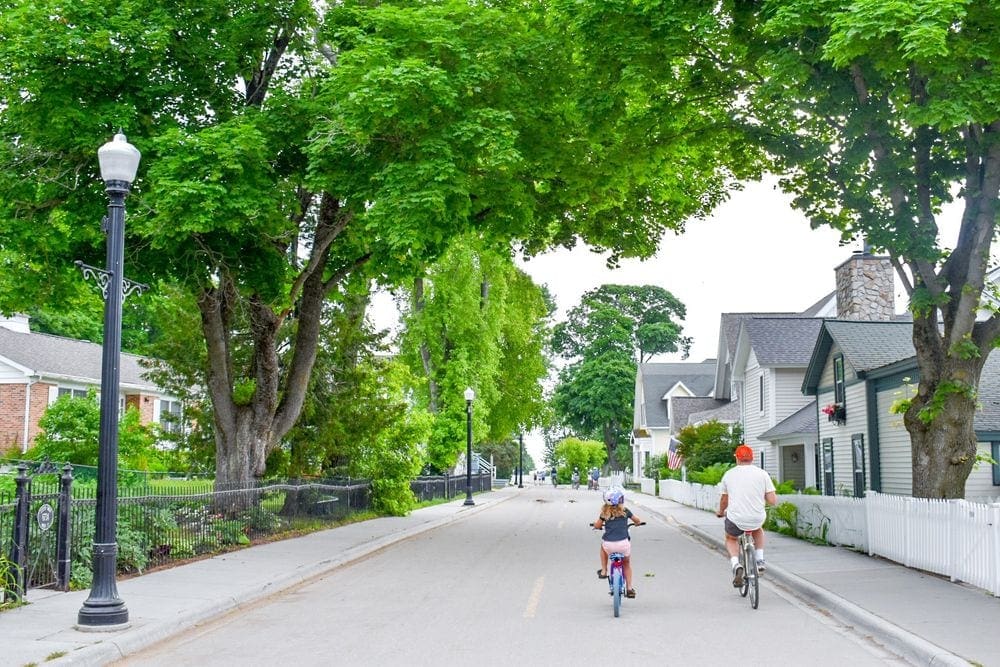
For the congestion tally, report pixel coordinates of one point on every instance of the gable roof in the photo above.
(729, 333)
(803, 420)
(783, 341)
(659, 378)
(866, 345)
(66, 359)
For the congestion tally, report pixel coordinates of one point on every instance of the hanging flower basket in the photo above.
(835, 412)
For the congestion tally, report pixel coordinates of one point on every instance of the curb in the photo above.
(885, 633)
(137, 638)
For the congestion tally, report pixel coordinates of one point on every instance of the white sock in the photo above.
(733, 560)
(759, 555)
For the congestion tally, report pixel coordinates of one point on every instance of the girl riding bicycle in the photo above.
(614, 521)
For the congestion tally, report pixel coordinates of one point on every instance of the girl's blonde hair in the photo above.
(610, 511)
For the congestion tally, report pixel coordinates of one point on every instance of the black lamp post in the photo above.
(104, 610)
(469, 397)
(520, 460)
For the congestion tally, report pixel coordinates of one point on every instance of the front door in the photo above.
(793, 465)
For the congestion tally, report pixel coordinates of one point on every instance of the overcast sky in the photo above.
(754, 254)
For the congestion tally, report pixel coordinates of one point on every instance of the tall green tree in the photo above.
(475, 320)
(287, 147)
(878, 115)
(604, 338)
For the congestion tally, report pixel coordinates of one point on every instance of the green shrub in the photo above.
(783, 518)
(810, 491)
(711, 475)
(785, 488)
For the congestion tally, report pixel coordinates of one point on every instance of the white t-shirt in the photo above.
(746, 485)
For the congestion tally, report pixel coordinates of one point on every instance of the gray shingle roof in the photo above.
(871, 345)
(987, 418)
(684, 406)
(866, 345)
(659, 378)
(803, 420)
(783, 341)
(725, 411)
(66, 358)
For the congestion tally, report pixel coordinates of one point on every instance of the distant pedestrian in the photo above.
(553, 476)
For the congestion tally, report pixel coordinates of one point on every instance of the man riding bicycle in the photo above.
(743, 493)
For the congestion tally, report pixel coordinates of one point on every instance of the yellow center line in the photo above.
(536, 595)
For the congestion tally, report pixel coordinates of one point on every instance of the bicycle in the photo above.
(748, 561)
(616, 576)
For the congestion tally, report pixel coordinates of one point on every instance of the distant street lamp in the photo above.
(469, 397)
(104, 610)
(520, 460)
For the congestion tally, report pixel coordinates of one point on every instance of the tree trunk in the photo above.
(425, 353)
(943, 447)
(611, 444)
(248, 427)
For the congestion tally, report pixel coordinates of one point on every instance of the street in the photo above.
(517, 584)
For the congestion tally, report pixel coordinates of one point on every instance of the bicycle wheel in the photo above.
(750, 579)
(617, 584)
(745, 588)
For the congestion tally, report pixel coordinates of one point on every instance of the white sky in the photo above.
(753, 254)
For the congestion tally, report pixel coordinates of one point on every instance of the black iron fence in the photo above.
(169, 521)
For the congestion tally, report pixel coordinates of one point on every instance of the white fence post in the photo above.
(868, 500)
(995, 550)
(906, 531)
(954, 534)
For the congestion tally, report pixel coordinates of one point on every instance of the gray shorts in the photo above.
(732, 529)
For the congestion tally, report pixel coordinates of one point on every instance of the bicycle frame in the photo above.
(616, 579)
(751, 580)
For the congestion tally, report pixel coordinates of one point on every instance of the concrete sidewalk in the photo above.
(922, 617)
(168, 601)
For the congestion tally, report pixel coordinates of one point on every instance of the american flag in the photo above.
(674, 459)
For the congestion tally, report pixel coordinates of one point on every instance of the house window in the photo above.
(858, 463)
(762, 458)
(75, 393)
(761, 383)
(171, 416)
(828, 466)
(838, 379)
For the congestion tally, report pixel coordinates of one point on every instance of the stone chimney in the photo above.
(865, 288)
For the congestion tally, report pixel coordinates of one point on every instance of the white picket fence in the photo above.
(954, 538)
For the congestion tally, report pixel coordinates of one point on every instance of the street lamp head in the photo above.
(469, 394)
(119, 160)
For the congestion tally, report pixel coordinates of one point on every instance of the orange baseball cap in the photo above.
(743, 453)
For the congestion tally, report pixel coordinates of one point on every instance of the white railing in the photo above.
(955, 538)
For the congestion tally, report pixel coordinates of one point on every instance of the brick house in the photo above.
(35, 369)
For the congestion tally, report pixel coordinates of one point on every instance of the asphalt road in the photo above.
(516, 584)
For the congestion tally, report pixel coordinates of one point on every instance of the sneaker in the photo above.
(761, 566)
(630, 593)
(737, 576)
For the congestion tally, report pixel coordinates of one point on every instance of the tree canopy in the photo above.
(287, 147)
(604, 338)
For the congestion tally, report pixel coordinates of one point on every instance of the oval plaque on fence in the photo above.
(44, 516)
